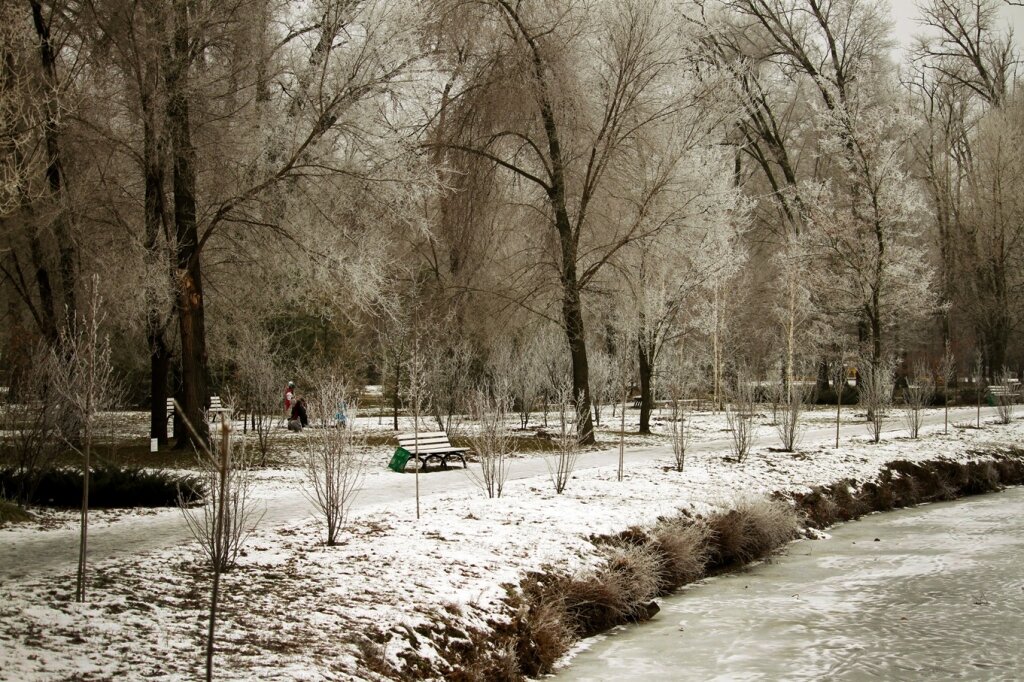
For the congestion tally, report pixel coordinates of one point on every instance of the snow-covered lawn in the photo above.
(295, 609)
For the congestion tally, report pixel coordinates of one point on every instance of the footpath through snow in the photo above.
(26, 552)
(295, 609)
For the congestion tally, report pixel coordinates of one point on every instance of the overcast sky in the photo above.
(905, 13)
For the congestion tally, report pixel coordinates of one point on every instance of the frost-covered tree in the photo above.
(866, 221)
(556, 98)
(85, 384)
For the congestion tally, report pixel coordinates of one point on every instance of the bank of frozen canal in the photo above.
(939, 595)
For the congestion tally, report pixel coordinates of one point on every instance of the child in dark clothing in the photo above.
(299, 413)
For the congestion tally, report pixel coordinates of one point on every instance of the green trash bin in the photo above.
(399, 459)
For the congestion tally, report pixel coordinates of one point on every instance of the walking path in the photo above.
(24, 555)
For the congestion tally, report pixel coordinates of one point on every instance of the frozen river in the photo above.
(931, 593)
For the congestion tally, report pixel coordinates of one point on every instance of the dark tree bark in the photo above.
(572, 309)
(61, 225)
(646, 399)
(155, 220)
(189, 284)
(47, 307)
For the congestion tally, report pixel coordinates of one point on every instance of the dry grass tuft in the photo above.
(751, 531)
(540, 632)
(544, 637)
(849, 503)
(682, 544)
(618, 592)
(818, 508)
(12, 513)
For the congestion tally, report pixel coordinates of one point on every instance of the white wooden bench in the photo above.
(216, 407)
(1003, 391)
(638, 401)
(431, 445)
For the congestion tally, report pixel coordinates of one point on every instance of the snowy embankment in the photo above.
(399, 597)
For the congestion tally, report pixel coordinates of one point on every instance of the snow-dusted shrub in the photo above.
(566, 440)
(876, 393)
(31, 426)
(680, 434)
(739, 414)
(683, 546)
(917, 395)
(259, 381)
(110, 486)
(789, 427)
(335, 458)
(228, 514)
(1004, 399)
(492, 442)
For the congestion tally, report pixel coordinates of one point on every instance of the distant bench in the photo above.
(1003, 391)
(430, 445)
(216, 407)
(692, 403)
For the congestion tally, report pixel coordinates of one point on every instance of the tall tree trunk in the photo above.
(646, 399)
(159, 364)
(47, 306)
(190, 303)
(159, 352)
(156, 220)
(572, 317)
(396, 398)
(62, 232)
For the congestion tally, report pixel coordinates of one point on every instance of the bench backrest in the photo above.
(215, 404)
(426, 441)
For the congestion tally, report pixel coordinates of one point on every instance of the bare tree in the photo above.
(838, 370)
(492, 441)
(562, 462)
(31, 421)
(602, 382)
(917, 395)
(259, 382)
(978, 369)
(680, 378)
(229, 514)
(335, 459)
(740, 414)
(448, 361)
(876, 390)
(966, 47)
(221, 524)
(84, 378)
(1005, 396)
(525, 379)
(576, 112)
(789, 427)
(947, 374)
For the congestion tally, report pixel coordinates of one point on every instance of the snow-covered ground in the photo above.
(295, 609)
